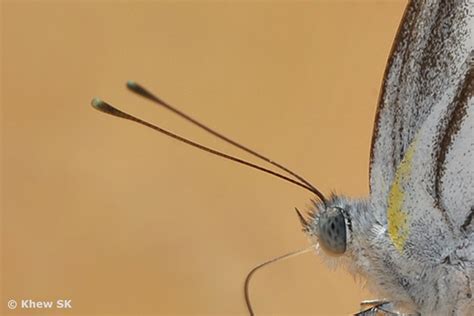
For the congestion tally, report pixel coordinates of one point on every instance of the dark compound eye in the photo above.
(332, 231)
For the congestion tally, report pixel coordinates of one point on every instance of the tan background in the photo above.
(125, 221)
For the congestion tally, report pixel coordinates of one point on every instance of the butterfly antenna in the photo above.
(109, 109)
(140, 90)
(266, 263)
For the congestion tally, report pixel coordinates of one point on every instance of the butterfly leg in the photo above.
(371, 303)
(379, 307)
(375, 307)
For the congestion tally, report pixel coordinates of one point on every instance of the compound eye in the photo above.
(332, 231)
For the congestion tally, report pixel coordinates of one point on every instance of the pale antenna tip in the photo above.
(131, 84)
(103, 106)
(97, 103)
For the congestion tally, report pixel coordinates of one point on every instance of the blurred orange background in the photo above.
(125, 221)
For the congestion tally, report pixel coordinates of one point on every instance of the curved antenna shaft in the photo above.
(109, 109)
(140, 90)
(266, 263)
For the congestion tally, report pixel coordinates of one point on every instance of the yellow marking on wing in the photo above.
(398, 228)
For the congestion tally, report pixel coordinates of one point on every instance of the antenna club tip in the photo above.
(97, 103)
(104, 107)
(131, 84)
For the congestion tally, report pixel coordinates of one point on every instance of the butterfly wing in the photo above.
(426, 72)
(431, 198)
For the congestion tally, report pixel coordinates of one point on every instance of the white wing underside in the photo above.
(427, 95)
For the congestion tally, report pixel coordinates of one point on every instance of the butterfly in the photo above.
(412, 239)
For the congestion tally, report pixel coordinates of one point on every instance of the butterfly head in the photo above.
(329, 225)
